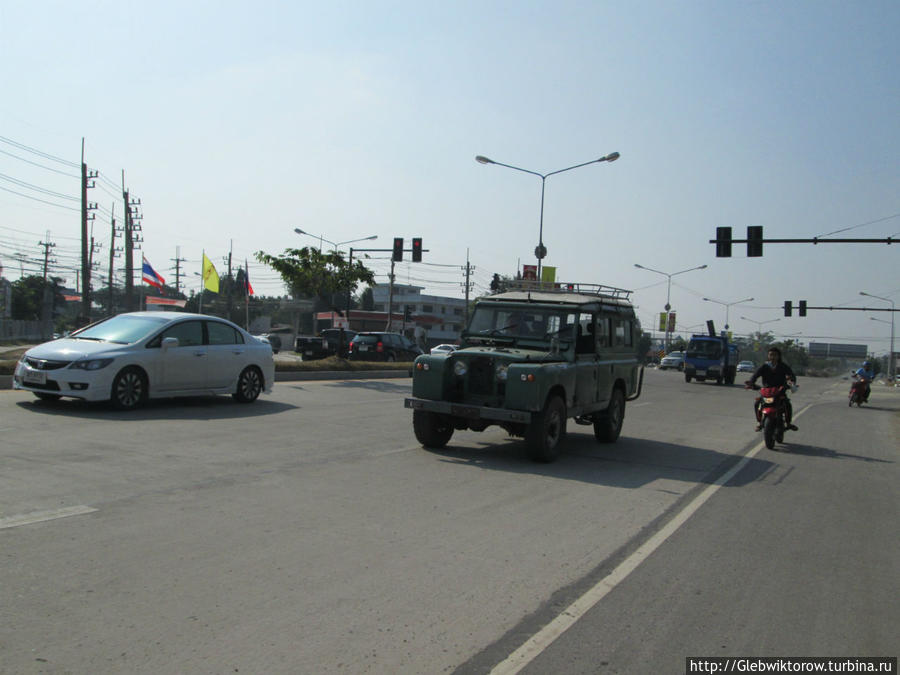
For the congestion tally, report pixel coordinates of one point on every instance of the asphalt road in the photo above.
(310, 533)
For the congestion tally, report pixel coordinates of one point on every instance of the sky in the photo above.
(235, 123)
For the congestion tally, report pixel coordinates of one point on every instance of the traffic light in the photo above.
(417, 249)
(802, 310)
(398, 249)
(788, 307)
(754, 241)
(407, 313)
(723, 242)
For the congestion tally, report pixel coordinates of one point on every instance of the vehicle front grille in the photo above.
(481, 376)
(45, 364)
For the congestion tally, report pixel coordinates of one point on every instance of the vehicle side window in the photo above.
(222, 334)
(189, 333)
(585, 330)
(602, 331)
(619, 334)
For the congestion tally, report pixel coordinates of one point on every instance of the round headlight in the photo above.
(501, 373)
(460, 368)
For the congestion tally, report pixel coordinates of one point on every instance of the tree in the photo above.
(28, 297)
(310, 273)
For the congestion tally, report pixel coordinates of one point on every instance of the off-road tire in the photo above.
(608, 425)
(546, 431)
(432, 430)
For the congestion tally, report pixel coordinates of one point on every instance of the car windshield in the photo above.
(705, 349)
(675, 355)
(518, 323)
(122, 329)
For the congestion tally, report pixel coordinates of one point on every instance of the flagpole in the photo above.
(202, 281)
(246, 296)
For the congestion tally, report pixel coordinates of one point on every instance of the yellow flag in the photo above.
(210, 276)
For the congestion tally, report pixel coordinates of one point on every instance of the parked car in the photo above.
(129, 358)
(324, 345)
(746, 367)
(382, 347)
(672, 360)
(444, 349)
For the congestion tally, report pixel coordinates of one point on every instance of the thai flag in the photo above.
(150, 275)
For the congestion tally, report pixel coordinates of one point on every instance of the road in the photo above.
(309, 532)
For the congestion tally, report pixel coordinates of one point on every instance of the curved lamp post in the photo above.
(728, 306)
(891, 364)
(541, 251)
(668, 292)
(759, 324)
(335, 244)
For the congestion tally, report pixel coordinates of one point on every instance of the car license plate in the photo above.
(32, 376)
(701, 372)
(363, 348)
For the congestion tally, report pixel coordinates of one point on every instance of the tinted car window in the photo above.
(189, 333)
(222, 334)
(366, 339)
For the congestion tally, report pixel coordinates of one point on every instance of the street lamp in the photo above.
(759, 324)
(335, 244)
(669, 291)
(728, 306)
(891, 364)
(541, 251)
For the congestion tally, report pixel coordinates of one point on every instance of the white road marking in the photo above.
(571, 614)
(41, 516)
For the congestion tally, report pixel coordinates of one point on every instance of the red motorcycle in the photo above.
(858, 391)
(772, 408)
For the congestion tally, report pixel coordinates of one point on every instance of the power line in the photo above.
(40, 153)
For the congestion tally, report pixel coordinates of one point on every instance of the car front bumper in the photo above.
(469, 412)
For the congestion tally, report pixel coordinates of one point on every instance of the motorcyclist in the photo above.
(774, 373)
(866, 374)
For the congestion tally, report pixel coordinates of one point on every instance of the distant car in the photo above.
(382, 347)
(444, 349)
(129, 358)
(325, 345)
(672, 360)
(746, 367)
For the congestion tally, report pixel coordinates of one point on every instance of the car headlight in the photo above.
(460, 368)
(91, 364)
(502, 373)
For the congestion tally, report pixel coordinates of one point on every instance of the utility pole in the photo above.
(86, 183)
(47, 246)
(112, 258)
(46, 296)
(131, 214)
(390, 298)
(469, 270)
(178, 260)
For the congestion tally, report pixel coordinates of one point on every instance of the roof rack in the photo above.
(599, 290)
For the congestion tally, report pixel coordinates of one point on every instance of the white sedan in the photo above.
(129, 358)
(443, 349)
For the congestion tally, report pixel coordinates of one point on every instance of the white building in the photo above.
(442, 319)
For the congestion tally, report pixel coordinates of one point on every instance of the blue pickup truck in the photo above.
(711, 357)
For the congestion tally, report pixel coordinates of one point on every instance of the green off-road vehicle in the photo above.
(529, 360)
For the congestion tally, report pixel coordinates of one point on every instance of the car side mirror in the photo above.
(169, 342)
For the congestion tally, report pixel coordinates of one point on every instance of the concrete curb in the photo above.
(296, 376)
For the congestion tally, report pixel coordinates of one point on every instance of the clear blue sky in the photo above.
(235, 123)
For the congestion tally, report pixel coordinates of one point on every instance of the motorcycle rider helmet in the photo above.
(866, 365)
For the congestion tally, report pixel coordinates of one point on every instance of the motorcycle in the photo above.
(858, 391)
(772, 409)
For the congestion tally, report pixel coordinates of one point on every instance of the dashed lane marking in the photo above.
(42, 516)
